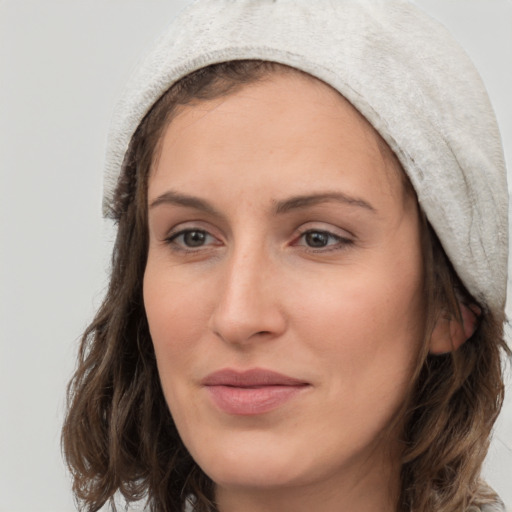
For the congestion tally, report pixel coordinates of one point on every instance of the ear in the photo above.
(449, 333)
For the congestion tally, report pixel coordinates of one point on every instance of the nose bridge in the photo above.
(247, 303)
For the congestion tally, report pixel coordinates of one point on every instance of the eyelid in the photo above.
(191, 225)
(326, 228)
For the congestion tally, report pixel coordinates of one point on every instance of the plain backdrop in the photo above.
(63, 63)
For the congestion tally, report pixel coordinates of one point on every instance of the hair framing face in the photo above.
(118, 433)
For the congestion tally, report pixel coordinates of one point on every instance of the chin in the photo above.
(255, 463)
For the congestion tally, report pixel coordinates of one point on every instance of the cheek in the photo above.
(367, 328)
(175, 326)
(176, 319)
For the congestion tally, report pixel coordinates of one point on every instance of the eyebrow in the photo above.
(172, 197)
(284, 206)
(304, 201)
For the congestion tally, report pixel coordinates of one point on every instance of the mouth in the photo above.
(251, 392)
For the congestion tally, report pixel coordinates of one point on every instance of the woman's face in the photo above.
(283, 285)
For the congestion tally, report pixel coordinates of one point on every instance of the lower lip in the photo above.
(254, 400)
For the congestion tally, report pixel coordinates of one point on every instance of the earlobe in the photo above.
(449, 333)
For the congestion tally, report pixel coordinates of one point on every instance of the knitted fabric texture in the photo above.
(401, 69)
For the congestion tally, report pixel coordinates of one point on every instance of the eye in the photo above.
(317, 238)
(191, 239)
(320, 239)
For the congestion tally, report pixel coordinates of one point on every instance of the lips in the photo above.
(251, 392)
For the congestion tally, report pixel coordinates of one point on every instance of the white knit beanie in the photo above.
(404, 73)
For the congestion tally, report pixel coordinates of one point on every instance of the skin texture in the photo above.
(243, 288)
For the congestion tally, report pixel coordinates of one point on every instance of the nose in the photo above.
(248, 306)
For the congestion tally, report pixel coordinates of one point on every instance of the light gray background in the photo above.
(63, 63)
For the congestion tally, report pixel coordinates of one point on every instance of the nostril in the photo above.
(246, 311)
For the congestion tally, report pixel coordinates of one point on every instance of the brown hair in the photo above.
(119, 435)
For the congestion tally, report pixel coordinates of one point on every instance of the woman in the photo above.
(306, 303)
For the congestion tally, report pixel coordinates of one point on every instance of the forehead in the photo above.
(285, 111)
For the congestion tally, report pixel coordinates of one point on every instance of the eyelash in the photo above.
(340, 242)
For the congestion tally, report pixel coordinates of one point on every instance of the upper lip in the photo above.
(256, 377)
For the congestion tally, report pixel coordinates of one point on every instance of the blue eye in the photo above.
(191, 238)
